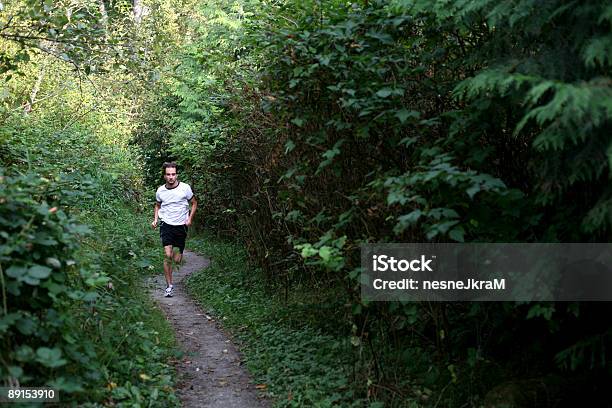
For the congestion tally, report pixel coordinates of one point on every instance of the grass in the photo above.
(134, 340)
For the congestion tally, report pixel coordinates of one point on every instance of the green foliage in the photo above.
(73, 253)
(127, 323)
(61, 325)
(296, 363)
(321, 126)
(40, 280)
(92, 36)
(190, 121)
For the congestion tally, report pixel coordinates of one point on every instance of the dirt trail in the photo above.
(210, 373)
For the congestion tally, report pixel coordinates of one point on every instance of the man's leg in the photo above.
(180, 245)
(178, 257)
(168, 264)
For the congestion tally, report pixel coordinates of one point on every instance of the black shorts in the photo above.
(173, 235)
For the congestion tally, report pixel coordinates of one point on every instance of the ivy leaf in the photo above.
(404, 221)
(403, 115)
(325, 253)
(24, 353)
(15, 371)
(50, 357)
(69, 385)
(30, 280)
(8, 320)
(457, 234)
(289, 146)
(407, 141)
(144, 263)
(307, 250)
(26, 325)
(384, 92)
(543, 310)
(339, 243)
(16, 271)
(473, 190)
(382, 37)
(440, 228)
(297, 121)
(39, 272)
(411, 217)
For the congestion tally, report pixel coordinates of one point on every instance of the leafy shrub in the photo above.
(42, 285)
(409, 121)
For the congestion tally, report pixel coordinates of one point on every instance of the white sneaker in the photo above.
(168, 292)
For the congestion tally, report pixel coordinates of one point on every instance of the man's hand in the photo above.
(154, 224)
(188, 223)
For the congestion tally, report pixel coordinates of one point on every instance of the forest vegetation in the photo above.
(306, 128)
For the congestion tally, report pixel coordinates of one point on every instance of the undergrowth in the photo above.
(74, 313)
(296, 364)
(134, 337)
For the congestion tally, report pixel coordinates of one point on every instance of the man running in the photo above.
(172, 209)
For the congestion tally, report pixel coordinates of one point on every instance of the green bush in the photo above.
(298, 364)
(43, 285)
(61, 324)
(407, 121)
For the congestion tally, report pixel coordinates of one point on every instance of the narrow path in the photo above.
(210, 373)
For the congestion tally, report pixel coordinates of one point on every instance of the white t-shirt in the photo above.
(174, 202)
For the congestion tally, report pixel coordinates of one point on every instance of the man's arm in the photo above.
(194, 206)
(155, 215)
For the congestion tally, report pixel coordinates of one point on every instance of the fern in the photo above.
(598, 52)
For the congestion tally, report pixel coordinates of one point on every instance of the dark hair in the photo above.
(169, 164)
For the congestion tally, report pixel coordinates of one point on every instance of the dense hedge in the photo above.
(72, 304)
(313, 127)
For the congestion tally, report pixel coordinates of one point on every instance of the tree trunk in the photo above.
(103, 17)
(138, 11)
(30, 103)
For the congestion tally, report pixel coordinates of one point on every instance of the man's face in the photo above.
(170, 175)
